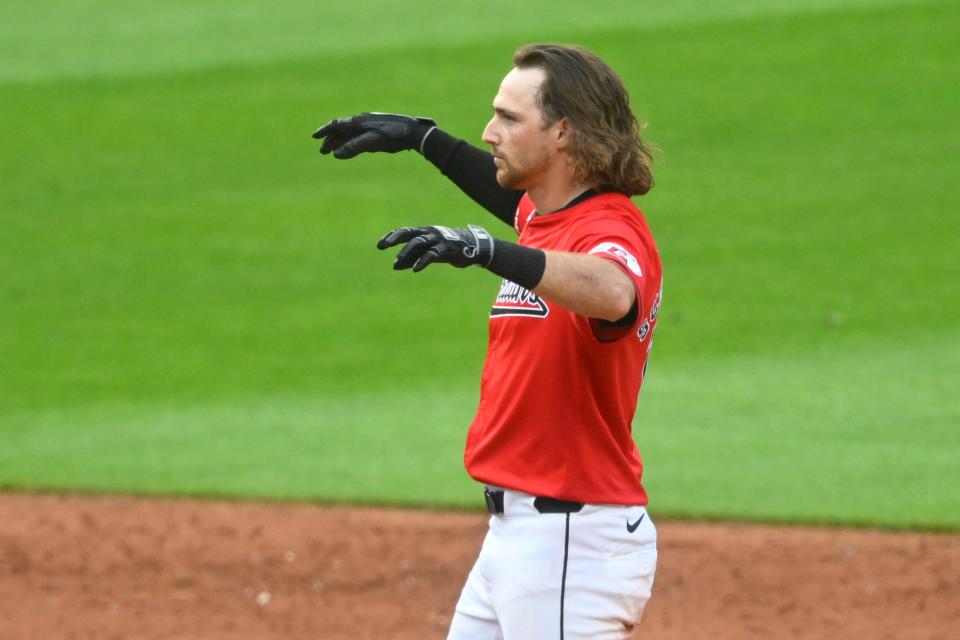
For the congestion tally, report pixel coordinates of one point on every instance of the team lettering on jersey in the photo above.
(646, 329)
(648, 323)
(514, 300)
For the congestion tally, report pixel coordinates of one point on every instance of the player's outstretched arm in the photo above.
(585, 284)
(470, 168)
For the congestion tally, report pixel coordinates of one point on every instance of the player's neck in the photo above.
(549, 197)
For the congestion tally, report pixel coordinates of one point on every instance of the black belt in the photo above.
(494, 500)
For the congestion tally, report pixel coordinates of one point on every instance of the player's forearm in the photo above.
(587, 285)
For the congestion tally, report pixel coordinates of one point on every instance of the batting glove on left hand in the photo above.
(425, 245)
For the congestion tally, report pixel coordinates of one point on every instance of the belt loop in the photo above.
(494, 500)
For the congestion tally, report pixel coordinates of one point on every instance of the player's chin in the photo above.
(506, 179)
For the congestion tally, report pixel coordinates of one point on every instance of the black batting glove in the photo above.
(390, 132)
(426, 245)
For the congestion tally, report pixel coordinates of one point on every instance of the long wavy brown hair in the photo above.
(606, 146)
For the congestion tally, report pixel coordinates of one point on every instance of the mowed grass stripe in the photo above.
(871, 450)
(863, 436)
(62, 38)
(401, 447)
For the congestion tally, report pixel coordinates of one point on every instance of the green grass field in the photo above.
(191, 301)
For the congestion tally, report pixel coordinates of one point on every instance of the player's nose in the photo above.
(489, 135)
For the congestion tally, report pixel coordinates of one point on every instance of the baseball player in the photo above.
(571, 551)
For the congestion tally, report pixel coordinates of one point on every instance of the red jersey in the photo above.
(559, 391)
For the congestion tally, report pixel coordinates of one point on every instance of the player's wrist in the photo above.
(516, 263)
(418, 128)
(420, 132)
(439, 147)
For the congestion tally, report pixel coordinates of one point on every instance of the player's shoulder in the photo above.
(611, 202)
(612, 208)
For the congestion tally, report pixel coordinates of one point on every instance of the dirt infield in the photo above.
(76, 567)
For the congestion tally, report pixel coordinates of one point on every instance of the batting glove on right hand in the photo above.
(425, 245)
(389, 132)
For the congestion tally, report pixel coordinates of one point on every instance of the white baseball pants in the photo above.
(556, 576)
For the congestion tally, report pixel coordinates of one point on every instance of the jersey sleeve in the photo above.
(622, 244)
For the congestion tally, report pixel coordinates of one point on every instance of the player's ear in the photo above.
(562, 133)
